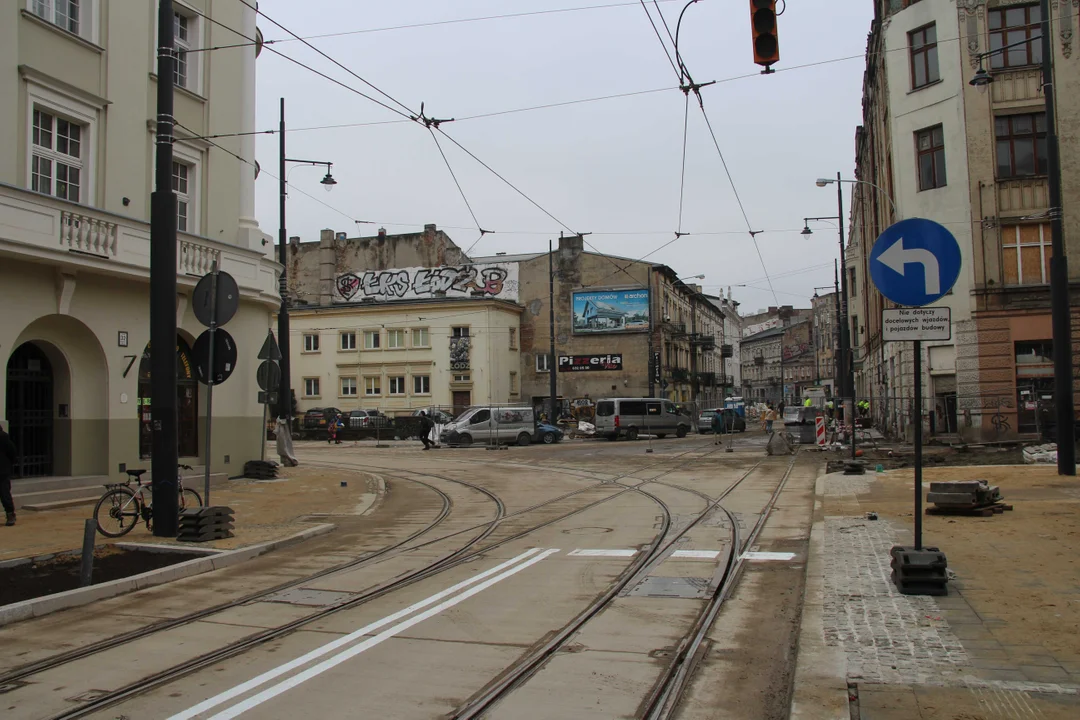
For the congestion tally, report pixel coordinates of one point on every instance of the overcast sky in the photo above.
(610, 167)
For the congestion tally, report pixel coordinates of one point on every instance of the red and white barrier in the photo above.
(819, 426)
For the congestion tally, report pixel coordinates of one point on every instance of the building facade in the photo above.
(826, 339)
(76, 170)
(974, 162)
(730, 360)
(398, 356)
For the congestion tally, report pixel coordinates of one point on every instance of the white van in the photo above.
(630, 417)
(486, 424)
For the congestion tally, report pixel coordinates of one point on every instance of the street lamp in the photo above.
(1059, 264)
(328, 182)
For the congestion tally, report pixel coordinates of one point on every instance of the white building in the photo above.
(76, 172)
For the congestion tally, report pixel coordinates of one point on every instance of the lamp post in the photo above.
(1059, 266)
(328, 182)
(845, 369)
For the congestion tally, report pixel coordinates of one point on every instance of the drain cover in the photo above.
(673, 587)
(308, 597)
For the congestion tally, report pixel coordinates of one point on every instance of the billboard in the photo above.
(604, 311)
(487, 280)
(585, 363)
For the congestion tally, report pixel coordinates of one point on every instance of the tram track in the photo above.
(466, 552)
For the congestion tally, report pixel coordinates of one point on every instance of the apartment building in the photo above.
(975, 161)
(76, 172)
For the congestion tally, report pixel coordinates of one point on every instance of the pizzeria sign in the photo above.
(583, 363)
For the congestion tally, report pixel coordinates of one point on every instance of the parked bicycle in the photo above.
(121, 507)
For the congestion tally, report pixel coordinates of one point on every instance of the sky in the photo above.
(611, 167)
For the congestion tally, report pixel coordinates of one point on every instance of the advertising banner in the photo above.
(603, 311)
(586, 363)
(489, 280)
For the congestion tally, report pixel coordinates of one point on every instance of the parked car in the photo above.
(440, 417)
(548, 434)
(491, 424)
(368, 419)
(630, 417)
(732, 421)
(316, 418)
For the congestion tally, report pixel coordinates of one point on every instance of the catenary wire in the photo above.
(660, 37)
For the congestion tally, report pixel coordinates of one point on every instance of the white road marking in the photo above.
(696, 554)
(285, 685)
(603, 553)
(783, 556)
(345, 640)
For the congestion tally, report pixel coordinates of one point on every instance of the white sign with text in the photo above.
(926, 323)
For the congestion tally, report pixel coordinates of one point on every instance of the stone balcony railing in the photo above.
(44, 228)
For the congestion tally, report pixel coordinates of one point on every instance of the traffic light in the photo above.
(763, 24)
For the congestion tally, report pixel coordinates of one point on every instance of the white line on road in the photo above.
(603, 553)
(285, 685)
(696, 554)
(345, 640)
(783, 556)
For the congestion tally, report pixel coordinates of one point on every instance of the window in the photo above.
(371, 339)
(348, 340)
(459, 332)
(1025, 254)
(481, 416)
(421, 384)
(543, 363)
(513, 338)
(56, 156)
(311, 342)
(311, 387)
(420, 338)
(924, 57)
(372, 386)
(513, 383)
(181, 183)
(463, 378)
(348, 387)
(62, 13)
(930, 148)
(1014, 25)
(397, 385)
(395, 339)
(851, 281)
(183, 34)
(1021, 145)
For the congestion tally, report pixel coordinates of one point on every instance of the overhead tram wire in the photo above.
(660, 37)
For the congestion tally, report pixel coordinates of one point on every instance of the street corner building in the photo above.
(76, 172)
(974, 159)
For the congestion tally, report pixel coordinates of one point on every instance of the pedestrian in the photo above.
(8, 455)
(426, 426)
(718, 425)
(332, 430)
(770, 418)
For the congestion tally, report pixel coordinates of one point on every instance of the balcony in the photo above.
(706, 379)
(40, 228)
(1022, 196)
(680, 375)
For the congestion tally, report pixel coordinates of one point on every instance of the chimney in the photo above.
(382, 234)
(294, 240)
(327, 267)
(570, 247)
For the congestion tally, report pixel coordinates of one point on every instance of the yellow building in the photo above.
(76, 171)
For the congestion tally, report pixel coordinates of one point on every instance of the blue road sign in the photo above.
(915, 262)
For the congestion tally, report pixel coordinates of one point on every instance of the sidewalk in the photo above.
(1005, 643)
(265, 510)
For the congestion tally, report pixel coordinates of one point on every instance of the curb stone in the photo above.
(38, 607)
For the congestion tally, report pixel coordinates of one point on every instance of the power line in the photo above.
(661, 39)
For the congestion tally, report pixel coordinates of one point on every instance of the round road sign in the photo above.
(268, 375)
(915, 262)
(224, 356)
(228, 298)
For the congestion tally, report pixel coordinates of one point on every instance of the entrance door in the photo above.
(462, 399)
(30, 410)
(187, 403)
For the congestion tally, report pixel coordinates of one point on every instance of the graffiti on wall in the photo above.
(494, 280)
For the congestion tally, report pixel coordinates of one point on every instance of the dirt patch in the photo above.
(61, 572)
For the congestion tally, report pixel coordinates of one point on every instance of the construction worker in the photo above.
(808, 403)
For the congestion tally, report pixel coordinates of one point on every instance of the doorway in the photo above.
(461, 399)
(30, 410)
(187, 403)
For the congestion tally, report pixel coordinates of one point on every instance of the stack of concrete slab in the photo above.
(206, 523)
(965, 497)
(260, 469)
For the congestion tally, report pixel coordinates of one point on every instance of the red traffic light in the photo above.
(763, 25)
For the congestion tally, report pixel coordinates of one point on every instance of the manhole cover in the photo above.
(308, 597)
(673, 587)
(587, 531)
(89, 696)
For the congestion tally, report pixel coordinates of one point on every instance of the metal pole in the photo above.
(1059, 269)
(284, 389)
(845, 339)
(654, 360)
(918, 444)
(210, 379)
(164, 453)
(86, 569)
(552, 381)
(838, 368)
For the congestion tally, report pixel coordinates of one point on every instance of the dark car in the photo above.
(317, 418)
(368, 419)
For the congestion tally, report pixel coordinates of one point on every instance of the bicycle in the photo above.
(125, 506)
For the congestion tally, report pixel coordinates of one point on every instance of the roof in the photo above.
(764, 335)
(519, 257)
